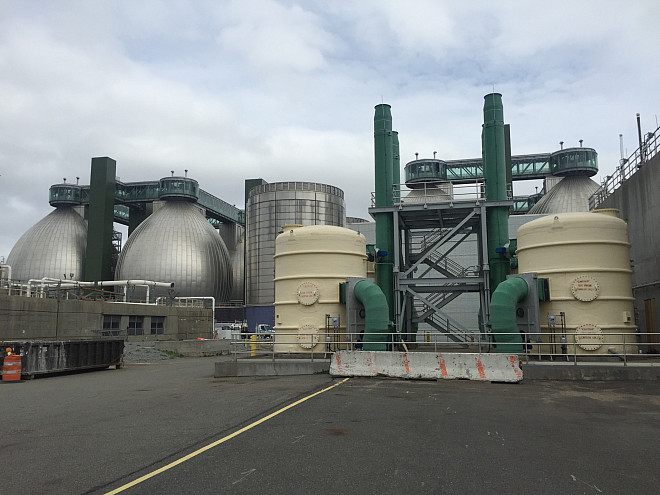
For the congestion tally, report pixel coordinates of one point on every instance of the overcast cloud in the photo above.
(285, 90)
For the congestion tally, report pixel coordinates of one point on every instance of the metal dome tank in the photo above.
(572, 193)
(177, 244)
(53, 247)
(310, 262)
(586, 258)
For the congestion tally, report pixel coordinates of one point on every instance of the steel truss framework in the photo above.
(426, 279)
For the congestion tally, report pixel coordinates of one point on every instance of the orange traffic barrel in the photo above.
(11, 368)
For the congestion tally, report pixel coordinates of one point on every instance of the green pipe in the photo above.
(383, 150)
(503, 314)
(376, 322)
(494, 160)
(396, 185)
(383, 197)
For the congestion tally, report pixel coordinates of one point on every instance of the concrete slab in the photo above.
(591, 372)
(366, 436)
(255, 367)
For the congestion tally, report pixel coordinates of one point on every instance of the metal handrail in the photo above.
(457, 192)
(627, 168)
(620, 348)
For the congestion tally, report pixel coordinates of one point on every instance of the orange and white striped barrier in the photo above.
(428, 366)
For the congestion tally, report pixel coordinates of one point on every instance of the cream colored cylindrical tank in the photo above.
(586, 258)
(310, 263)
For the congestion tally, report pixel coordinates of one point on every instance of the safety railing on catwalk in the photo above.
(580, 346)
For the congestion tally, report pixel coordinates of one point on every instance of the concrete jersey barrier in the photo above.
(429, 366)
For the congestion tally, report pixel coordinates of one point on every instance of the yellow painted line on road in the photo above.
(222, 440)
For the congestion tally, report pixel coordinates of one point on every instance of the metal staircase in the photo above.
(430, 310)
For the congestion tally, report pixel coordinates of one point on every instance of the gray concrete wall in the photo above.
(196, 348)
(638, 202)
(36, 318)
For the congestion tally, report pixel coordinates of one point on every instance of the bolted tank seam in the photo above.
(324, 251)
(600, 298)
(583, 242)
(570, 270)
(319, 301)
(628, 329)
(328, 276)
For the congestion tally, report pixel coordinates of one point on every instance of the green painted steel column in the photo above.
(494, 160)
(98, 255)
(396, 182)
(396, 167)
(384, 162)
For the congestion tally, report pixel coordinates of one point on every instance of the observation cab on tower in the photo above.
(574, 161)
(424, 171)
(66, 194)
(179, 188)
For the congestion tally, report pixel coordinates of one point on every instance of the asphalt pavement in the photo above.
(96, 432)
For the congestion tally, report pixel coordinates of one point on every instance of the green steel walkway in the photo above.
(523, 167)
(133, 194)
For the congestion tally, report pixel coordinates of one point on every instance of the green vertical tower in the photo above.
(396, 166)
(101, 215)
(384, 163)
(494, 160)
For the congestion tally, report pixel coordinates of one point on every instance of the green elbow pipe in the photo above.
(503, 314)
(376, 323)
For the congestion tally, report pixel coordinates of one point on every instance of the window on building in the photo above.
(111, 325)
(157, 325)
(135, 325)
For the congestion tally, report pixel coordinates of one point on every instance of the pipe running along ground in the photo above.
(376, 322)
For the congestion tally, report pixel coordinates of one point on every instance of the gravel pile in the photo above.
(144, 352)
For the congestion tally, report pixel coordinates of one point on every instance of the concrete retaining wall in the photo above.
(194, 348)
(638, 202)
(41, 318)
(269, 368)
(593, 372)
(426, 365)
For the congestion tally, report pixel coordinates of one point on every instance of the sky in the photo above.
(285, 90)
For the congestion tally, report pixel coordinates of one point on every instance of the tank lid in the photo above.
(291, 226)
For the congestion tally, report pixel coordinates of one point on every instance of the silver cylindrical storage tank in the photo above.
(269, 208)
(54, 247)
(177, 244)
(310, 263)
(586, 257)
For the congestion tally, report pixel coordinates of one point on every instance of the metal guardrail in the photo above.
(627, 168)
(438, 192)
(620, 348)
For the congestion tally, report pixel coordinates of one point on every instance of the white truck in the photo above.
(264, 331)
